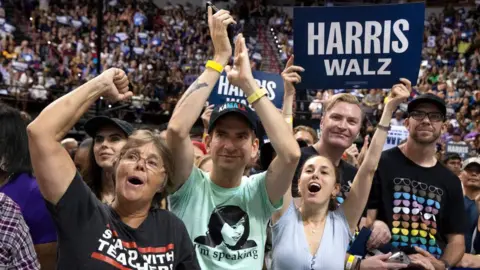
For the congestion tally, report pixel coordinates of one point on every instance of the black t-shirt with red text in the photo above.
(92, 236)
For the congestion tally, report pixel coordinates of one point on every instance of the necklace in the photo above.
(315, 228)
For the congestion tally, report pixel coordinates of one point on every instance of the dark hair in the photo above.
(86, 143)
(92, 173)
(230, 214)
(14, 152)
(332, 204)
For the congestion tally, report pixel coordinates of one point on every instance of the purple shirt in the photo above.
(25, 192)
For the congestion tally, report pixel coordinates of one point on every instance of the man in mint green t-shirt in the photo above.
(225, 213)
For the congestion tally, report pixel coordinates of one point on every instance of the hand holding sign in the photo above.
(240, 74)
(290, 76)
(218, 24)
(399, 94)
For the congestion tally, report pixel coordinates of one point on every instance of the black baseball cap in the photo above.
(428, 98)
(94, 124)
(233, 107)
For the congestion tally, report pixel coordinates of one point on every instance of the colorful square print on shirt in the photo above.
(416, 206)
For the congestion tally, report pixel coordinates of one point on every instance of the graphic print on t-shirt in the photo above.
(227, 235)
(415, 209)
(127, 255)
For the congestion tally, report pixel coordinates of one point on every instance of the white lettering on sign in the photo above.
(321, 44)
(231, 91)
(337, 67)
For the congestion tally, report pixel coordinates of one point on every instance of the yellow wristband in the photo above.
(289, 120)
(214, 65)
(349, 264)
(258, 94)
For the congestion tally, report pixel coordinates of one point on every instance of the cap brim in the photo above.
(94, 124)
(212, 124)
(470, 164)
(414, 103)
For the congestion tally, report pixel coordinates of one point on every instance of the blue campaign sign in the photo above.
(223, 91)
(358, 47)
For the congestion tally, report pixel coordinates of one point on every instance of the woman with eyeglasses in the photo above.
(315, 233)
(129, 233)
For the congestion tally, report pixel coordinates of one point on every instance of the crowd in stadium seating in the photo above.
(162, 49)
(450, 69)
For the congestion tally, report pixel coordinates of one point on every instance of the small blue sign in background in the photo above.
(223, 91)
(359, 47)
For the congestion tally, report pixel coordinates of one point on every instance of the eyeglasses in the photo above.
(420, 200)
(405, 217)
(151, 163)
(399, 202)
(432, 116)
(401, 181)
(434, 250)
(400, 188)
(404, 224)
(400, 237)
(405, 210)
(398, 230)
(402, 244)
(397, 195)
(421, 232)
(422, 240)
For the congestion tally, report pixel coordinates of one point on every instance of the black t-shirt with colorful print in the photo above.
(420, 205)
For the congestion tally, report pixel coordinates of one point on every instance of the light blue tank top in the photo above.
(290, 246)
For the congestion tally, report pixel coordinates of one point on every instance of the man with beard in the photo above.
(416, 196)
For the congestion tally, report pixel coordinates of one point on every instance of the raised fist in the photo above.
(117, 85)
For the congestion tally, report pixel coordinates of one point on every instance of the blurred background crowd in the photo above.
(49, 47)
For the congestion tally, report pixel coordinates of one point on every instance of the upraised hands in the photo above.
(240, 74)
(217, 23)
(399, 93)
(116, 82)
(206, 115)
(290, 76)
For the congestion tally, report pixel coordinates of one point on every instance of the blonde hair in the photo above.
(310, 130)
(342, 97)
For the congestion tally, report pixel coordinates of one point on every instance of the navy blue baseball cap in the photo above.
(233, 107)
(94, 124)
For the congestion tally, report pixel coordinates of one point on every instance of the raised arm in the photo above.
(281, 170)
(190, 106)
(54, 169)
(357, 198)
(290, 76)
